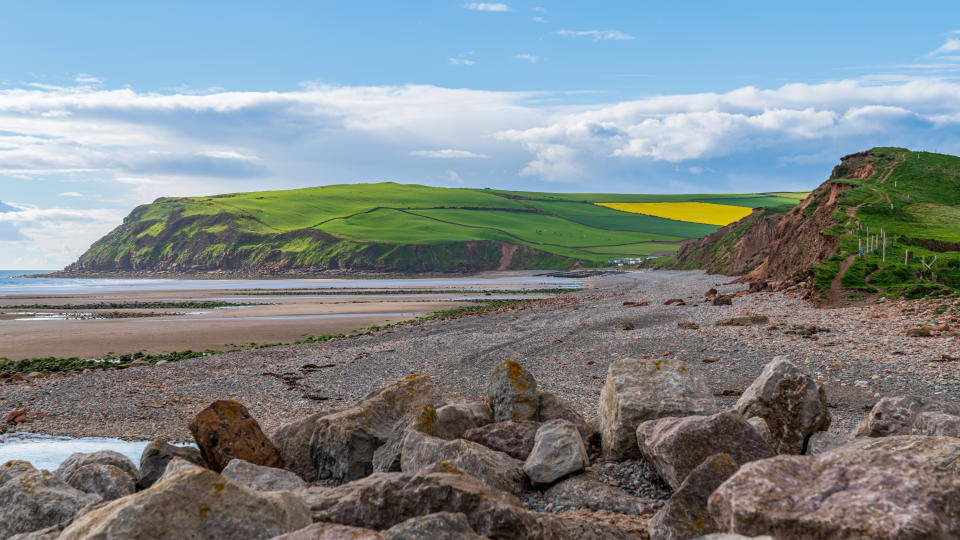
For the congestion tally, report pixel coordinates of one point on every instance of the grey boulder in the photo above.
(37, 500)
(156, 456)
(891, 487)
(793, 405)
(685, 515)
(676, 446)
(909, 415)
(106, 481)
(638, 390)
(293, 441)
(558, 451)
(105, 457)
(262, 478)
(14, 468)
(512, 438)
(330, 531)
(439, 526)
(553, 407)
(512, 393)
(497, 469)
(454, 419)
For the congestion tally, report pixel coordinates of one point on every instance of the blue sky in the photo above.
(106, 105)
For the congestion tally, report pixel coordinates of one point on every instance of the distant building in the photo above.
(623, 261)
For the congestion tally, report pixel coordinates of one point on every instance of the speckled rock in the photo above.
(637, 390)
(330, 531)
(685, 515)
(554, 408)
(823, 441)
(494, 468)
(677, 446)
(386, 458)
(899, 415)
(893, 487)
(455, 419)
(196, 503)
(106, 481)
(439, 526)
(14, 468)
(156, 456)
(178, 465)
(793, 405)
(343, 444)
(262, 478)
(512, 438)
(104, 457)
(293, 441)
(937, 424)
(589, 491)
(512, 393)
(558, 451)
(225, 430)
(37, 500)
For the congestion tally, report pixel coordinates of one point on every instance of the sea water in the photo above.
(48, 452)
(12, 284)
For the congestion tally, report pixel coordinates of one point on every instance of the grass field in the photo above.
(379, 224)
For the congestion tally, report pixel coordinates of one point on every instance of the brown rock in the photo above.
(676, 446)
(293, 441)
(225, 430)
(512, 438)
(13, 415)
(747, 320)
(687, 325)
(902, 487)
(330, 531)
(685, 515)
(156, 456)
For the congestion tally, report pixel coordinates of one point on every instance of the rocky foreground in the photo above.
(411, 461)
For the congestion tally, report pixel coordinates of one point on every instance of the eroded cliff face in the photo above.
(735, 249)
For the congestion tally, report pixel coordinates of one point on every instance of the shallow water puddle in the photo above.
(47, 451)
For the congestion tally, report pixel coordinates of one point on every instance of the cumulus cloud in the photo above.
(447, 153)
(486, 6)
(597, 35)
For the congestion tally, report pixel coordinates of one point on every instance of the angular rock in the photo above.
(937, 424)
(156, 456)
(512, 438)
(386, 458)
(262, 478)
(37, 500)
(685, 515)
(638, 390)
(330, 531)
(293, 441)
(676, 446)
(558, 451)
(793, 405)
(14, 468)
(823, 441)
(890, 487)
(898, 415)
(196, 503)
(178, 465)
(554, 408)
(106, 481)
(225, 430)
(454, 419)
(512, 393)
(104, 457)
(589, 491)
(382, 500)
(439, 526)
(494, 468)
(343, 444)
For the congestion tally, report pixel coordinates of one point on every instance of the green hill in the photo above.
(909, 199)
(392, 227)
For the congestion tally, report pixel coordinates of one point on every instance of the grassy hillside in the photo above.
(393, 227)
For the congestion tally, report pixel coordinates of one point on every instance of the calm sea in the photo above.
(12, 285)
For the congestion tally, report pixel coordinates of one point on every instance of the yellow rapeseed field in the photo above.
(695, 212)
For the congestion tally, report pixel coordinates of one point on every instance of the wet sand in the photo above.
(271, 319)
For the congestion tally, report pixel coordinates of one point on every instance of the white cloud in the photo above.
(949, 46)
(454, 177)
(533, 59)
(597, 35)
(447, 153)
(70, 194)
(485, 6)
(461, 62)
(538, 19)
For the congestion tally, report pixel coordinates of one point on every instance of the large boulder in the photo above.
(330, 531)
(638, 390)
(899, 416)
(195, 503)
(512, 438)
(293, 441)
(156, 456)
(439, 526)
(685, 515)
(103, 457)
(558, 451)
(343, 444)
(14, 468)
(512, 393)
(793, 405)
(106, 481)
(554, 408)
(386, 458)
(891, 487)
(454, 419)
(823, 441)
(676, 446)
(225, 430)
(262, 478)
(37, 500)
(497, 469)
(589, 491)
